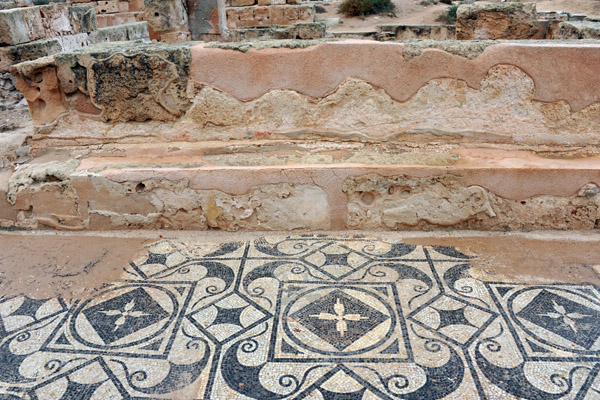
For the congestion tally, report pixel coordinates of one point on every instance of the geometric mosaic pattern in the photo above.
(304, 317)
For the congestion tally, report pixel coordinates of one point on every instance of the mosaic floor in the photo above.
(307, 317)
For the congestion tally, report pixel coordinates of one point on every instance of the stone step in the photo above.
(272, 185)
(452, 91)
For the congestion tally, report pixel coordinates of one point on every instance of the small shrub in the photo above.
(356, 8)
(448, 16)
(320, 9)
(449, 2)
(426, 3)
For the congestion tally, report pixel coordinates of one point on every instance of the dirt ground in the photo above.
(413, 13)
(75, 265)
(14, 118)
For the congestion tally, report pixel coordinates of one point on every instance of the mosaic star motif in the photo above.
(569, 319)
(304, 317)
(119, 316)
(339, 319)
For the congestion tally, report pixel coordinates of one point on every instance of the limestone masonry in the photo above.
(372, 135)
(276, 125)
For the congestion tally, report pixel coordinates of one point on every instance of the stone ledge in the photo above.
(286, 186)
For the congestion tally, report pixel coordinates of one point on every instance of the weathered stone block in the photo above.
(247, 14)
(137, 31)
(116, 33)
(262, 14)
(240, 3)
(20, 25)
(72, 42)
(404, 32)
(55, 19)
(203, 18)
(107, 7)
(83, 19)
(291, 13)
(123, 32)
(238, 17)
(510, 20)
(306, 13)
(175, 37)
(405, 202)
(38, 82)
(11, 55)
(136, 5)
(105, 20)
(233, 15)
(135, 82)
(165, 15)
(577, 30)
(313, 30)
(276, 13)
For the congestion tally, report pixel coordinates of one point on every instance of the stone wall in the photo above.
(167, 20)
(30, 33)
(109, 12)
(311, 30)
(276, 14)
(23, 25)
(513, 92)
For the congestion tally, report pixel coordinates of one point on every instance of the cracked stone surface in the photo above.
(274, 185)
(317, 316)
(142, 93)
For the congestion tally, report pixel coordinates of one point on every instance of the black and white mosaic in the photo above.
(307, 317)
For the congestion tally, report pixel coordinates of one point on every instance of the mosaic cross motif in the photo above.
(339, 318)
(305, 317)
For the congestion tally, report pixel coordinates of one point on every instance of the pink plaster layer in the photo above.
(514, 175)
(560, 71)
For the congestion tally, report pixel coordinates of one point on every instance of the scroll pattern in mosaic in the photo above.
(307, 317)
